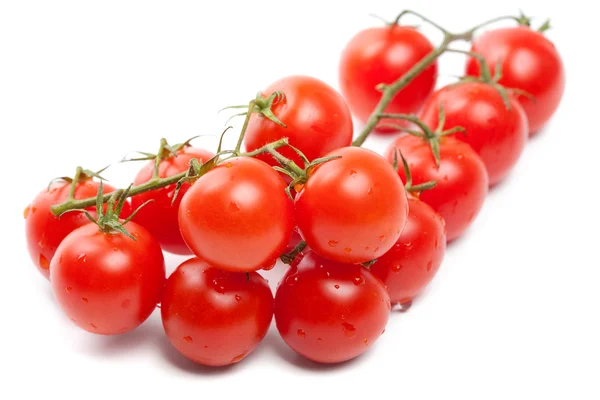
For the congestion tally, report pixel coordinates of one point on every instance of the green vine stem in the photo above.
(391, 90)
(153, 184)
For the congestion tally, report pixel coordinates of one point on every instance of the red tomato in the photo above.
(530, 62)
(237, 216)
(330, 312)
(414, 260)
(159, 216)
(461, 179)
(215, 317)
(352, 209)
(317, 119)
(382, 55)
(496, 133)
(108, 283)
(45, 231)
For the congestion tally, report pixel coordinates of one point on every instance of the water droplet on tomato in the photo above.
(26, 212)
(44, 263)
(125, 303)
(381, 238)
(319, 339)
(370, 191)
(366, 341)
(188, 339)
(301, 333)
(270, 266)
(333, 243)
(82, 257)
(238, 358)
(397, 267)
(228, 165)
(115, 249)
(42, 242)
(358, 280)
(238, 297)
(292, 279)
(460, 156)
(445, 177)
(437, 243)
(429, 266)
(68, 289)
(352, 172)
(93, 326)
(218, 287)
(383, 331)
(349, 329)
(188, 213)
(85, 299)
(376, 249)
(347, 250)
(367, 248)
(136, 235)
(336, 286)
(234, 206)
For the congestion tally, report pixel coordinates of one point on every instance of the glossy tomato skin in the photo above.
(461, 180)
(352, 209)
(408, 267)
(330, 312)
(45, 231)
(530, 62)
(160, 217)
(382, 55)
(317, 119)
(237, 216)
(108, 283)
(497, 133)
(215, 317)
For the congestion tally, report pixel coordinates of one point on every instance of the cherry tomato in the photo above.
(45, 231)
(330, 312)
(461, 179)
(108, 283)
(160, 216)
(352, 209)
(382, 55)
(317, 119)
(530, 62)
(215, 317)
(497, 133)
(414, 260)
(237, 216)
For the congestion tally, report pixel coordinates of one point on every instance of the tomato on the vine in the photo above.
(529, 62)
(496, 131)
(461, 178)
(408, 267)
(352, 209)
(45, 231)
(215, 317)
(330, 312)
(106, 282)
(160, 215)
(237, 216)
(381, 56)
(316, 117)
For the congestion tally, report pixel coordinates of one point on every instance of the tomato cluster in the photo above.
(361, 232)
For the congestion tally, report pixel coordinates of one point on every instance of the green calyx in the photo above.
(261, 105)
(409, 185)
(81, 175)
(108, 221)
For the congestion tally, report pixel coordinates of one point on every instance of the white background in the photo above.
(513, 313)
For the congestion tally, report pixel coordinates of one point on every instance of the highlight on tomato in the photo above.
(352, 209)
(237, 216)
(215, 317)
(330, 312)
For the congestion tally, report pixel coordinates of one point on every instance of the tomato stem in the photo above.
(238, 145)
(391, 90)
(74, 183)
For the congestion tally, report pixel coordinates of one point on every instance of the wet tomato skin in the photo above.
(330, 312)
(408, 267)
(160, 216)
(215, 317)
(530, 62)
(237, 217)
(108, 283)
(352, 209)
(45, 231)
(497, 133)
(461, 179)
(316, 116)
(382, 55)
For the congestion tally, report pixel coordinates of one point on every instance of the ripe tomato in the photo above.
(215, 317)
(317, 119)
(382, 55)
(159, 216)
(45, 231)
(108, 283)
(414, 260)
(496, 133)
(461, 179)
(237, 216)
(352, 209)
(330, 312)
(530, 62)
